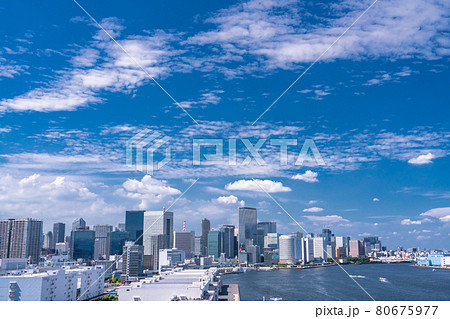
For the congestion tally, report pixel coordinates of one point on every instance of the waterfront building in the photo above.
(178, 284)
(228, 240)
(264, 228)
(290, 248)
(59, 232)
(206, 227)
(356, 248)
(134, 225)
(83, 241)
(78, 223)
(247, 226)
(215, 243)
(132, 261)
(319, 247)
(308, 249)
(371, 244)
(21, 238)
(341, 252)
(331, 250)
(90, 281)
(101, 241)
(184, 240)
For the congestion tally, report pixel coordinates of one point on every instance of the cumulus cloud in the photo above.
(267, 185)
(227, 199)
(375, 199)
(313, 210)
(309, 177)
(422, 159)
(443, 213)
(149, 191)
(327, 219)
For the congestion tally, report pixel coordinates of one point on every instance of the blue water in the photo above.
(382, 282)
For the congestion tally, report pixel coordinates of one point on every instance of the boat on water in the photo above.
(276, 298)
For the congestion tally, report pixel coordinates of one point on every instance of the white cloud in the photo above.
(278, 34)
(227, 199)
(408, 221)
(148, 190)
(422, 159)
(327, 219)
(309, 177)
(443, 213)
(312, 202)
(375, 199)
(52, 198)
(249, 185)
(313, 210)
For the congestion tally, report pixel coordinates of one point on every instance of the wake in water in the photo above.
(357, 276)
(382, 279)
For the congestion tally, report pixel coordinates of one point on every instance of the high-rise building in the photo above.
(228, 240)
(198, 246)
(341, 252)
(271, 241)
(290, 248)
(21, 238)
(268, 227)
(59, 231)
(308, 249)
(134, 225)
(371, 244)
(356, 248)
(116, 240)
(78, 223)
(320, 245)
(158, 234)
(206, 227)
(215, 243)
(184, 240)
(132, 261)
(48, 240)
(101, 241)
(83, 241)
(247, 227)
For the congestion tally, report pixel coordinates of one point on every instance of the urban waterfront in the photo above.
(382, 281)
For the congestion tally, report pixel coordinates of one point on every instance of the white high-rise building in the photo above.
(158, 234)
(290, 249)
(319, 247)
(308, 249)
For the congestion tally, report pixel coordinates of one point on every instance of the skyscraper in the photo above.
(83, 241)
(21, 238)
(48, 240)
(268, 227)
(356, 248)
(184, 240)
(78, 223)
(228, 240)
(198, 246)
(101, 241)
(59, 231)
(206, 226)
(134, 224)
(116, 240)
(247, 227)
(215, 243)
(158, 227)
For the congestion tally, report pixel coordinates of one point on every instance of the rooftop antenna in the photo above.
(184, 225)
(164, 209)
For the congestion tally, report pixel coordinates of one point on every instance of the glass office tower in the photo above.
(247, 227)
(83, 241)
(134, 225)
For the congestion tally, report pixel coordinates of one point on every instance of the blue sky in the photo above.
(376, 105)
